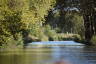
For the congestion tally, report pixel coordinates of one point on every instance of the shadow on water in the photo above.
(53, 54)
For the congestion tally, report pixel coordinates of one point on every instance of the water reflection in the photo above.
(62, 62)
(50, 55)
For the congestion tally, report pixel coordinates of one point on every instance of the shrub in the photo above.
(52, 35)
(76, 38)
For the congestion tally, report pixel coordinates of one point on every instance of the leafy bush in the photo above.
(9, 42)
(52, 35)
(76, 38)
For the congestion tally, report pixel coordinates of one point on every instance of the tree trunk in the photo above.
(88, 32)
(94, 21)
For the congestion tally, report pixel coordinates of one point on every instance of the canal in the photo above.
(57, 52)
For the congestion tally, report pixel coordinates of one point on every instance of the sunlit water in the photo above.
(66, 52)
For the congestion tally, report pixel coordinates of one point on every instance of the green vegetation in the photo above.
(21, 18)
(93, 40)
(51, 34)
(24, 21)
(74, 16)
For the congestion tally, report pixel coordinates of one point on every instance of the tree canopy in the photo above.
(21, 16)
(24, 17)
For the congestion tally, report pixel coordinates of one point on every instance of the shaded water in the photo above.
(51, 53)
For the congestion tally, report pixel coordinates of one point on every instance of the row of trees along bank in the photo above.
(21, 18)
(75, 16)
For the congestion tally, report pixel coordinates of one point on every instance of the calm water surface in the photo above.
(65, 52)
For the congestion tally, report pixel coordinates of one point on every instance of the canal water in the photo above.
(57, 52)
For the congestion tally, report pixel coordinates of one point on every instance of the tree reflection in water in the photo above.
(62, 62)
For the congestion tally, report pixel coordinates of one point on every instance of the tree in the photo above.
(21, 17)
(89, 12)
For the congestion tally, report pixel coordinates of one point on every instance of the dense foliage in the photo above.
(21, 17)
(22, 21)
(84, 18)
